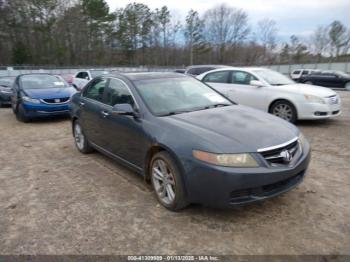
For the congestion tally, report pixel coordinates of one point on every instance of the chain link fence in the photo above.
(284, 69)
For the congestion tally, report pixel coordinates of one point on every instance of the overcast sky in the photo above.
(298, 17)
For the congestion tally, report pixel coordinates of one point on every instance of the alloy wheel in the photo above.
(163, 181)
(283, 111)
(79, 136)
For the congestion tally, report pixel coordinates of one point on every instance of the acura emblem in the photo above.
(57, 100)
(286, 155)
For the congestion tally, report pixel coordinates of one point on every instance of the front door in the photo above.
(245, 93)
(124, 134)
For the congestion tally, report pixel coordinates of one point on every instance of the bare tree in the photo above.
(320, 41)
(338, 37)
(267, 35)
(226, 26)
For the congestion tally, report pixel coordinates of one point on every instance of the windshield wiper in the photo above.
(278, 84)
(176, 112)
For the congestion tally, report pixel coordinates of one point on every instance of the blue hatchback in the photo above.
(40, 95)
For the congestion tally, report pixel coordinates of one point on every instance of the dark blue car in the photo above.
(40, 95)
(193, 144)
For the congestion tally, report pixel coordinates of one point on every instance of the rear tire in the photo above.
(285, 110)
(167, 182)
(21, 114)
(80, 139)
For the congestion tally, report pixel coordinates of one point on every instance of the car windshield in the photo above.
(178, 95)
(42, 81)
(273, 78)
(95, 73)
(7, 81)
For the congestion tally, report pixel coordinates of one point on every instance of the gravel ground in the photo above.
(54, 200)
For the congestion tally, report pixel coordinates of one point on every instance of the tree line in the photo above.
(87, 32)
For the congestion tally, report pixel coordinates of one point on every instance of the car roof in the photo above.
(147, 75)
(201, 66)
(30, 74)
(248, 69)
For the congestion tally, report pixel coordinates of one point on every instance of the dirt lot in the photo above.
(54, 200)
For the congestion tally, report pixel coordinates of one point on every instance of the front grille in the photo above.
(282, 155)
(56, 100)
(266, 190)
(333, 100)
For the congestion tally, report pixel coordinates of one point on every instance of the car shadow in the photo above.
(49, 119)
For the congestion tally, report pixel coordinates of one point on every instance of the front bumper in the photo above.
(42, 110)
(227, 187)
(318, 111)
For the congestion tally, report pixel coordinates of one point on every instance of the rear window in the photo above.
(296, 72)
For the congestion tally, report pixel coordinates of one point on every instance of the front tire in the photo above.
(80, 139)
(167, 182)
(284, 110)
(21, 114)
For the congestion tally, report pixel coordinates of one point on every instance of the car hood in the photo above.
(236, 128)
(309, 90)
(49, 93)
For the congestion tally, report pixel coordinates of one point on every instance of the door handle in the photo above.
(104, 113)
(81, 104)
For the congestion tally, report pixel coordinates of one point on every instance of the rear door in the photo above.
(91, 105)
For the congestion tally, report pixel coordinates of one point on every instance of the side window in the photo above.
(95, 90)
(242, 78)
(305, 72)
(192, 71)
(118, 93)
(217, 77)
(296, 72)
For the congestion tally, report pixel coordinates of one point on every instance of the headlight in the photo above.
(229, 160)
(314, 99)
(31, 100)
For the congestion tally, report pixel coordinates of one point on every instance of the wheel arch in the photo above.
(74, 118)
(154, 149)
(274, 101)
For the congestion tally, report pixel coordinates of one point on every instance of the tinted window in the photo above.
(296, 72)
(95, 89)
(192, 71)
(204, 69)
(242, 78)
(217, 77)
(83, 75)
(305, 72)
(118, 93)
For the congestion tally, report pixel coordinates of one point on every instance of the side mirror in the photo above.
(124, 110)
(256, 83)
(87, 78)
